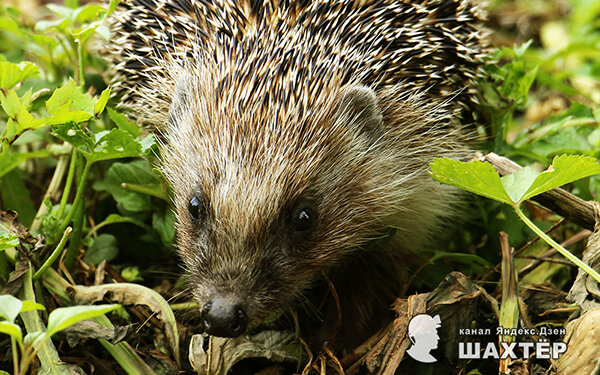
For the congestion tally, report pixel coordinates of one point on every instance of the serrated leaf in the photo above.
(105, 145)
(564, 169)
(17, 110)
(115, 144)
(516, 184)
(63, 114)
(69, 103)
(26, 121)
(63, 317)
(10, 307)
(10, 103)
(12, 330)
(73, 134)
(123, 122)
(11, 74)
(475, 176)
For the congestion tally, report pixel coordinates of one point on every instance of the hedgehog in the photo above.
(296, 137)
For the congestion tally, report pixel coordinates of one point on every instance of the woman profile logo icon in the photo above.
(422, 332)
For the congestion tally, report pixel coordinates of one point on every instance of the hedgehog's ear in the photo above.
(183, 92)
(359, 105)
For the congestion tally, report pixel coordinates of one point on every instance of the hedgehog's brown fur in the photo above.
(266, 104)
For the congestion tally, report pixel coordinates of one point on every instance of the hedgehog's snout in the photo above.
(224, 316)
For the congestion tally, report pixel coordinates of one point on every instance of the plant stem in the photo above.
(68, 183)
(146, 190)
(55, 254)
(566, 253)
(48, 356)
(80, 53)
(3, 148)
(78, 196)
(13, 344)
(67, 52)
(57, 177)
(72, 251)
(184, 306)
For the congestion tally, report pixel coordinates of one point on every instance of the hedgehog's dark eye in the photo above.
(303, 218)
(196, 208)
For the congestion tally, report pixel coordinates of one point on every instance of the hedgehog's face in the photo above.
(248, 257)
(259, 217)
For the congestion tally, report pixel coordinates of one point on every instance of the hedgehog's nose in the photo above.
(223, 318)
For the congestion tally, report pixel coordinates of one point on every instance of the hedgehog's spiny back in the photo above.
(278, 53)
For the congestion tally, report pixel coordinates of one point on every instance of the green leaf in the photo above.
(137, 172)
(112, 5)
(72, 133)
(476, 176)
(30, 305)
(116, 219)
(516, 184)
(34, 338)
(104, 247)
(123, 122)
(10, 103)
(69, 103)
(164, 223)
(19, 117)
(64, 317)
(7, 240)
(99, 106)
(45, 26)
(115, 144)
(132, 274)
(148, 143)
(11, 74)
(565, 169)
(10, 307)
(87, 13)
(12, 330)
(62, 11)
